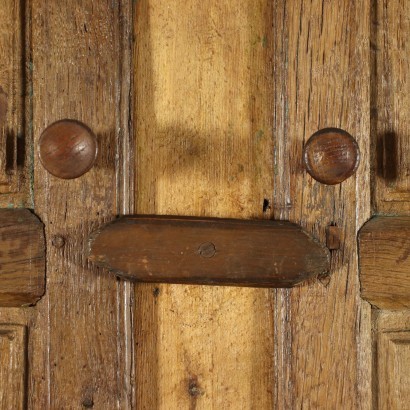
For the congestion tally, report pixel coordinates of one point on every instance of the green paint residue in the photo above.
(10, 205)
(259, 134)
(257, 39)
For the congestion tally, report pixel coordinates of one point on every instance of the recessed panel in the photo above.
(12, 366)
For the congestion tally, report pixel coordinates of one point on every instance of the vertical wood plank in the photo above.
(80, 348)
(203, 132)
(390, 106)
(322, 80)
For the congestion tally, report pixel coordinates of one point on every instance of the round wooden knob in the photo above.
(68, 149)
(331, 155)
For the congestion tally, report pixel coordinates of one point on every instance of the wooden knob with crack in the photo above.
(67, 149)
(331, 155)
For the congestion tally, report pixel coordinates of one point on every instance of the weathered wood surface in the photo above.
(80, 331)
(391, 357)
(208, 251)
(22, 258)
(226, 95)
(203, 128)
(207, 78)
(321, 79)
(384, 261)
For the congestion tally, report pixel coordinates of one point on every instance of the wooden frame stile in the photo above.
(126, 185)
(81, 331)
(321, 69)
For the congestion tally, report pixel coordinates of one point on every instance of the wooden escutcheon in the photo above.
(208, 251)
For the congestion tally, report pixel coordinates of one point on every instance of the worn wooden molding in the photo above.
(384, 261)
(22, 258)
(208, 251)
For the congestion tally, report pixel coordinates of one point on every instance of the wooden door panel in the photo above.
(391, 390)
(203, 109)
(13, 373)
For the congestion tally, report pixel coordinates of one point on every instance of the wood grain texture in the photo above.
(79, 335)
(208, 251)
(321, 79)
(384, 261)
(13, 361)
(15, 136)
(22, 258)
(203, 127)
(390, 106)
(392, 360)
(207, 79)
